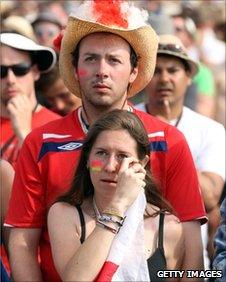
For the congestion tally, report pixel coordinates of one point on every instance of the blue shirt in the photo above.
(219, 262)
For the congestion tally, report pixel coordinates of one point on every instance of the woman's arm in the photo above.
(73, 261)
(76, 262)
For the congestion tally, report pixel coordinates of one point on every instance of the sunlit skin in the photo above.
(104, 71)
(60, 99)
(110, 148)
(12, 85)
(168, 86)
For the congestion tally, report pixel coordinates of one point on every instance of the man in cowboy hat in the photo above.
(206, 137)
(22, 61)
(103, 59)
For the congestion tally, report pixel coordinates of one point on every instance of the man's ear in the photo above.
(75, 73)
(189, 82)
(144, 161)
(36, 72)
(133, 75)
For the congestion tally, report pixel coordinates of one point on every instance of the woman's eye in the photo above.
(122, 156)
(101, 153)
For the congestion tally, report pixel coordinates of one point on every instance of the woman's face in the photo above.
(107, 153)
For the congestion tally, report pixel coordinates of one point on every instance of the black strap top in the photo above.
(158, 260)
(155, 263)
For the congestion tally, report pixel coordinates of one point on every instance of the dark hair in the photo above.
(82, 187)
(46, 80)
(133, 55)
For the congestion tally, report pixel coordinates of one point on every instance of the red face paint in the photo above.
(96, 165)
(81, 72)
(109, 13)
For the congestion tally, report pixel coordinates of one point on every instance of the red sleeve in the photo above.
(27, 204)
(183, 190)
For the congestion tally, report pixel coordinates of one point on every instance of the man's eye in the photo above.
(173, 70)
(90, 59)
(157, 71)
(114, 60)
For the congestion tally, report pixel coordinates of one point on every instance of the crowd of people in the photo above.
(112, 140)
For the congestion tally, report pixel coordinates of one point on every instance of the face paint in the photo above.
(81, 72)
(96, 165)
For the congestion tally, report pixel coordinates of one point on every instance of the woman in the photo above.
(111, 175)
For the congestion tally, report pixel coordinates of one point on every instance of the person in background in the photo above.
(103, 60)
(201, 95)
(58, 98)
(6, 179)
(219, 262)
(165, 94)
(115, 169)
(22, 61)
(18, 24)
(46, 28)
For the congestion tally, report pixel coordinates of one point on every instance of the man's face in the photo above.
(169, 82)
(46, 32)
(104, 70)
(13, 84)
(60, 99)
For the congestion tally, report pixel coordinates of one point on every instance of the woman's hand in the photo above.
(131, 179)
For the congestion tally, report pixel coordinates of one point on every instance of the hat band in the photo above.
(171, 47)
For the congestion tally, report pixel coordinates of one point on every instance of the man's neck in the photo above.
(90, 114)
(172, 114)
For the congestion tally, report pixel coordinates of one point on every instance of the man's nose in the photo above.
(102, 69)
(164, 76)
(10, 77)
(59, 104)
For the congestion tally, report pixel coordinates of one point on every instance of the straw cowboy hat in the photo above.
(172, 45)
(45, 57)
(139, 35)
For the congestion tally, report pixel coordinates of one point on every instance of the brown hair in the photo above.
(82, 187)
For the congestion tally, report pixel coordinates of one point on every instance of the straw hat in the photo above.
(45, 56)
(138, 34)
(172, 45)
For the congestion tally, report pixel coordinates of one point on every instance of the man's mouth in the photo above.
(101, 86)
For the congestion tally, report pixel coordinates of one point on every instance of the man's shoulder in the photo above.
(200, 121)
(60, 128)
(156, 127)
(50, 115)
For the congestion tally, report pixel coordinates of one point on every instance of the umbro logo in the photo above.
(70, 146)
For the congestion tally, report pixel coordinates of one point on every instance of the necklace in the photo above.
(96, 211)
(177, 121)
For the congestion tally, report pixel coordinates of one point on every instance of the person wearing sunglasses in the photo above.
(165, 95)
(22, 61)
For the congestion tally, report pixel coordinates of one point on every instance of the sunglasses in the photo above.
(18, 70)
(171, 47)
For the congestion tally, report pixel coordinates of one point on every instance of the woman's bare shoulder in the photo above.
(172, 227)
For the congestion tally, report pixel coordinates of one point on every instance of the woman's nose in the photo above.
(112, 164)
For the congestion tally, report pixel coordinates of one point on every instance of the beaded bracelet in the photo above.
(114, 212)
(107, 218)
(105, 226)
